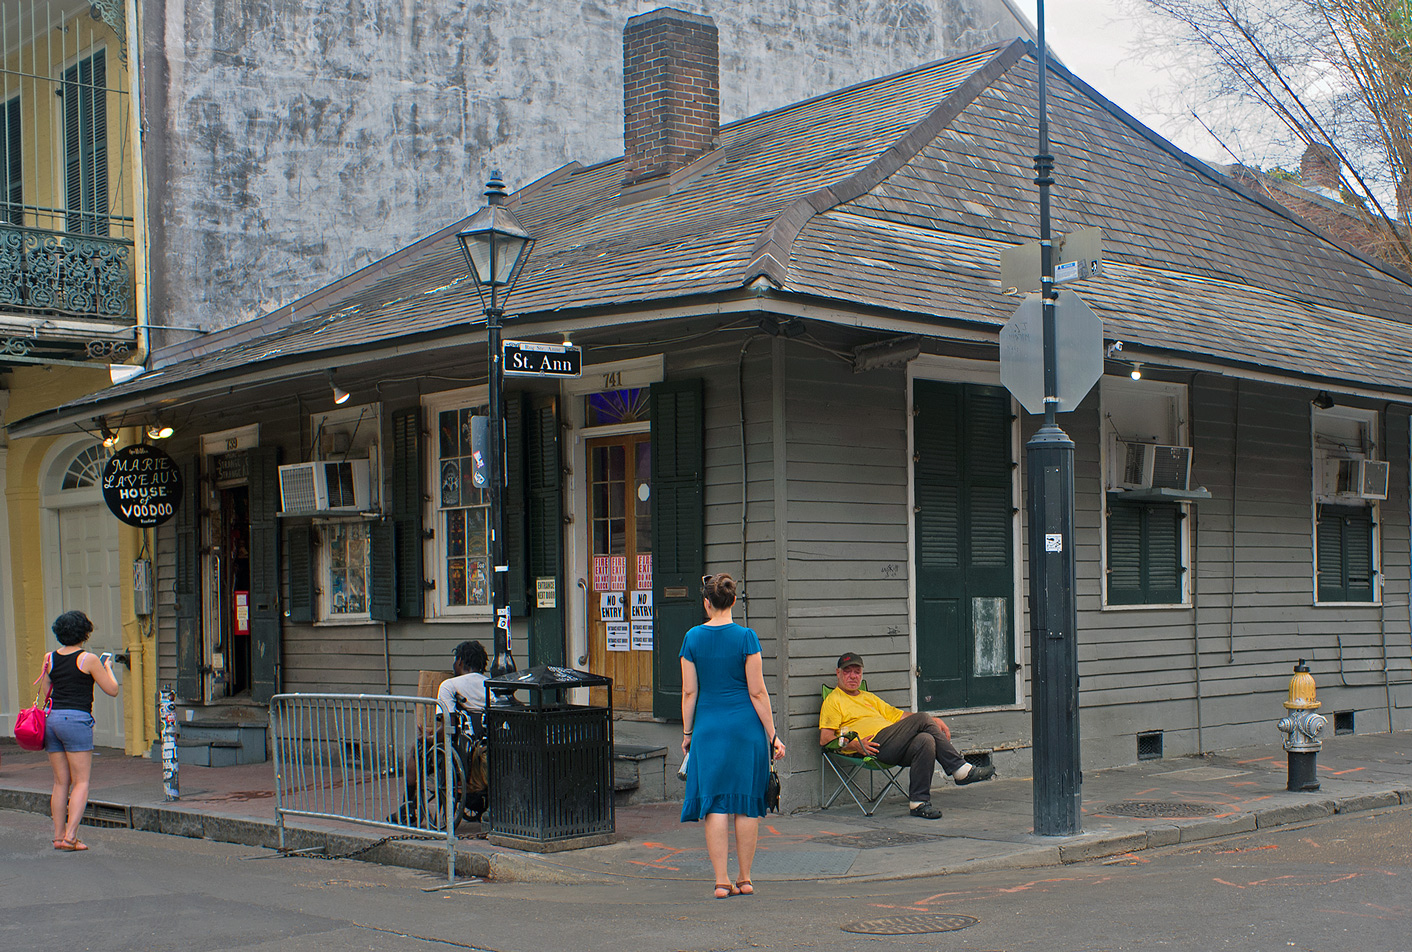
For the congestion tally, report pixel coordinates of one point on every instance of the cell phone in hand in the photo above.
(106, 658)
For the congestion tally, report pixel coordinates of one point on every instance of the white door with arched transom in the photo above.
(82, 567)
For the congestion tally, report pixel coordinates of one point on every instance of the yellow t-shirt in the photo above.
(864, 712)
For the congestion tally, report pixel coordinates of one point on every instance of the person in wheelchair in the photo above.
(464, 695)
(866, 725)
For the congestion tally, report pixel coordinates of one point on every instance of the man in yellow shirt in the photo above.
(918, 741)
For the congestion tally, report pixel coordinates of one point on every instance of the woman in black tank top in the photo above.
(68, 678)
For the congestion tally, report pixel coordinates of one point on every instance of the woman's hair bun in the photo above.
(725, 586)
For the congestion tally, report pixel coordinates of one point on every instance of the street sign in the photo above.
(1078, 336)
(1077, 255)
(527, 359)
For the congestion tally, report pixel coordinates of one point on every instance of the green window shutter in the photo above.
(1144, 553)
(546, 528)
(266, 625)
(382, 561)
(86, 145)
(299, 544)
(407, 502)
(1344, 536)
(516, 548)
(11, 165)
(678, 540)
(187, 588)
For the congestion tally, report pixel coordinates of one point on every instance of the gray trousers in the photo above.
(917, 741)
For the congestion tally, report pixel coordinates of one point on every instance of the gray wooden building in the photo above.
(792, 375)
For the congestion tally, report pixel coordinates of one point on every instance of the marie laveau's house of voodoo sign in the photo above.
(142, 486)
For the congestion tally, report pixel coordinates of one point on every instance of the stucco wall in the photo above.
(291, 143)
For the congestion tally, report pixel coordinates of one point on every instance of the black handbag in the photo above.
(772, 789)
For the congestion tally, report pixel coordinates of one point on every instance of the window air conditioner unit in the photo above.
(325, 484)
(1154, 466)
(1361, 478)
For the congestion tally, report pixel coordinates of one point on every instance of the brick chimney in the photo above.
(1319, 166)
(671, 91)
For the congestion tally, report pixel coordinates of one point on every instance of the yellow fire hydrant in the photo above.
(1301, 727)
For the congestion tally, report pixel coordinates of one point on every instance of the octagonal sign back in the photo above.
(1078, 361)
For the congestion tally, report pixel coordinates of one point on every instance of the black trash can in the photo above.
(550, 762)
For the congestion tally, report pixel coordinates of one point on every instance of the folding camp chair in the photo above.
(848, 769)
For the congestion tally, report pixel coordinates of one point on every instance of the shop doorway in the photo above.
(226, 588)
(620, 562)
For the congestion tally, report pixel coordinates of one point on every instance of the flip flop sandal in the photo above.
(745, 887)
(726, 888)
(74, 845)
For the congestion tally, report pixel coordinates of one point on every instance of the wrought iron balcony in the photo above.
(60, 272)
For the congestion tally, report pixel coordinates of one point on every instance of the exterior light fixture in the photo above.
(1136, 372)
(157, 431)
(496, 246)
(1323, 400)
(340, 396)
(110, 437)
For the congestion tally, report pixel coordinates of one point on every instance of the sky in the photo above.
(1095, 40)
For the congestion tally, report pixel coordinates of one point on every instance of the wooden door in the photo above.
(89, 579)
(620, 553)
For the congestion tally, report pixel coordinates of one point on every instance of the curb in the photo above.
(430, 856)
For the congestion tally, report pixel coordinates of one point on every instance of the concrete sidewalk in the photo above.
(986, 826)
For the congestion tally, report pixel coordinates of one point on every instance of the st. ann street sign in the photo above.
(529, 359)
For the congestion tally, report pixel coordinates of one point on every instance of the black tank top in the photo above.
(73, 689)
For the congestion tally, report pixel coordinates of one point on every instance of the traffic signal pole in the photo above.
(1049, 456)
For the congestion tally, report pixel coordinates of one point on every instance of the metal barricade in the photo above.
(371, 759)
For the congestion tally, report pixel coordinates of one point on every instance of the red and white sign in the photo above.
(242, 613)
(618, 568)
(644, 571)
(600, 573)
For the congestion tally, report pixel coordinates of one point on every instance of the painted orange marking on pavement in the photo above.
(1246, 849)
(1233, 885)
(1340, 773)
(1143, 793)
(1311, 843)
(675, 869)
(1242, 783)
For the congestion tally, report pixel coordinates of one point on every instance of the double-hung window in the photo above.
(1349, 482)
(459, 548)
(1149, 489)
(346, 442)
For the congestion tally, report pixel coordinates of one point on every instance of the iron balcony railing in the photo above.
(61, 272)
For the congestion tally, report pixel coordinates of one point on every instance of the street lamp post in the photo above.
(496, 245)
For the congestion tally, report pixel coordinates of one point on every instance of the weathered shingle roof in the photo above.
(899, 193)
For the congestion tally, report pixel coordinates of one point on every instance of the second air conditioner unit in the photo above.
(1360, 478)
(325, 484)
(1154, 466)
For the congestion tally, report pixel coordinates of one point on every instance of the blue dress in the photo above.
(729, 766)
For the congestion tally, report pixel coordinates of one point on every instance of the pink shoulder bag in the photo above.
(29, 725)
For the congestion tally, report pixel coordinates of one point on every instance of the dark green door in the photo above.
(964, 511)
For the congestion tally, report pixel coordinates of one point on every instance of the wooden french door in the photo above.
(620, 556)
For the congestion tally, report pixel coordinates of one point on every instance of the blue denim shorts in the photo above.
(68, 730)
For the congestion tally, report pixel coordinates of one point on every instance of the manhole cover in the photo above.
(910, 925)
(1152, 809)
(874, 839)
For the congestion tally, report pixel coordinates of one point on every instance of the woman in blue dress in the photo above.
(726, 711)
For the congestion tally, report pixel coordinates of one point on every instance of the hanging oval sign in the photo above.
(142, 486)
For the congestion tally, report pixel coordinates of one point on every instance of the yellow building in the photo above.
(72, 283)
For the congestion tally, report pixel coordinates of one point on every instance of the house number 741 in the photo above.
(613, 381)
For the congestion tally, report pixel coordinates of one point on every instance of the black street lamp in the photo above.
(496, 245)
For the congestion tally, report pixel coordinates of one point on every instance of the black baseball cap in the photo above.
(850, 658)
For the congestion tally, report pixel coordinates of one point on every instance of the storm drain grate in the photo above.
(910, 925)
(107, 814)
(1153, 809)
(875, 839)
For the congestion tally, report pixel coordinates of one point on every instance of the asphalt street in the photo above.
(1344, 883)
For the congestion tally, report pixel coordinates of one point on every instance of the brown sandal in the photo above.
(745, 887)
(726, 890)
(74, 845)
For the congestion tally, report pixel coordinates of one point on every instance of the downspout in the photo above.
(1235, 498)
(141, 278)
(744, 481)
(781, 532)
(1193, 515)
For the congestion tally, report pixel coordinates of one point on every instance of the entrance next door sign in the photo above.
(528, 359)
